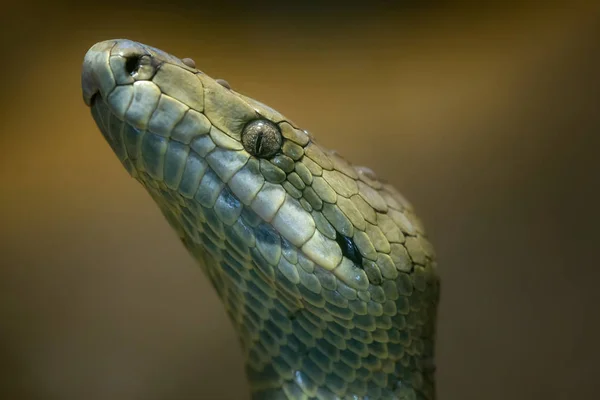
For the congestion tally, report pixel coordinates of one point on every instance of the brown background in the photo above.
(487, 118)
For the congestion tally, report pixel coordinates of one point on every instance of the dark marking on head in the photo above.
(349, 249)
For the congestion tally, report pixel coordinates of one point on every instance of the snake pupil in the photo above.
(259, 138)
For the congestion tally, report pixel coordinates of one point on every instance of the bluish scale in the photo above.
(235, 253)
(373, 390)
(257, 305)
(371, 361)
(115, 126)
(243, 232)
(262, 264)
(326, 279)
(291, 356)
(281, 320)
(210, 187)
(303, 336)
(358, 387)
(335, 298)
(261, 282)
(310, 282)
(334, 339)
(383, 322)
(318, 311)
(305, 382)
(132, 140)
(366, 322)
(190, 229)
(362, 373)
(274, 330)
(175, 160)
(313, 371)
(311, 297)
(335, 383)
(194, 170)
(233, 275)
(344, 322)
(212, 235)
(268, 242)
(343, 313)
(289, 288)
(282, 367)
(358, 347)
(212, 248)
(361, 335)
(269, 342)
(294, 342)
(257, 292)
(380, 335)
(214, 222)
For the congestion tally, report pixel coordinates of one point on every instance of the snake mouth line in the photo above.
(93, 98)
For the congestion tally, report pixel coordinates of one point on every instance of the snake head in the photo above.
(315, 259)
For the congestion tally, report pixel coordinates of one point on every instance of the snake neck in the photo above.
(297, 350)
(293, 353)
(313, 362)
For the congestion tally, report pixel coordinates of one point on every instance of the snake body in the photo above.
(324, 270)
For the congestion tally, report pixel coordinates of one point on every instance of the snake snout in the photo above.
(95, 75)
(111, 63)
(88, 82)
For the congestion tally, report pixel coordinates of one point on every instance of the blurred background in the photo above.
(486, 117)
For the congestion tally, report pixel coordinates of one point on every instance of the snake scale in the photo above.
(323, 269)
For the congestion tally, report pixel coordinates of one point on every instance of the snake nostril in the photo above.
(132, 64)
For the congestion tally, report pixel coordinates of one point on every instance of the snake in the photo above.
(323, 268)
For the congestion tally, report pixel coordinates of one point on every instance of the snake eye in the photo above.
(261, 138)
